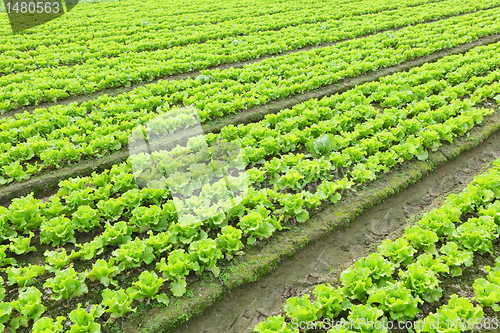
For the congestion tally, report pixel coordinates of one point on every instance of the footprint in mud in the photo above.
(444, 185)
(357, 251)
(462, 176)
(491, 154)
(411, 210)
(310, 280)
(382, 226)
(257, 312)
(475, 163)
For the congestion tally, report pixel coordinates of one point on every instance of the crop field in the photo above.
(252, 166)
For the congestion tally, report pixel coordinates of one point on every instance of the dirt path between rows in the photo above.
(246, 306)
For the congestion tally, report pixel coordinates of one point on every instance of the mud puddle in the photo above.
(246, 306)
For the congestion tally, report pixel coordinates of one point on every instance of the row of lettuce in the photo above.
(392, 283)
(51, 84)
(206, 40)
(61, 135)
(187, 228)
(216, 30)
(87, 26)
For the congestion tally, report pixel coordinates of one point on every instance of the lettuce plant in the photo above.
(111, 209)
(15, 171)
(4, 260)
(29, 305)
(330, 301)
(292, 179)
(182, 184)
(145, 218)
(71, 185)
(117, 302)
(255, 176)
(454, 258)
(55, 207)
(52, 157)
(160, 242)
(258, 224)
(168, 215)
(56, 259)
(57, 230)
(89, 250)
(48, 325)
(67, 283)
(381, 270)
(213, 217)
(274, 324)
(84, 197)
(322, 145)
(396, 300)
(132, 199)
(101, 193)
(103, 271)
(5, 313)
(439, 221)
(293, 206)
(21, 245)
(361, 173)
(24, 276)
(398, 251)
(356, 282)
(422, 239)
(364, 275)
(186, 231)
(204, 255)
(457, 316)
(493, 272)
(301, 309)
(123, 182)
(133, 253)
(25, 213)
(178, 266)
(487, 293)
(229, 241)
(362, 318)
(147, 286)
(83, 321)
(117, 233)
(434, 264)
(256, 198)
(86, 219)
(476, 234)
(492, 210)
(422, 280)
(154, 196)
(6, 229)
